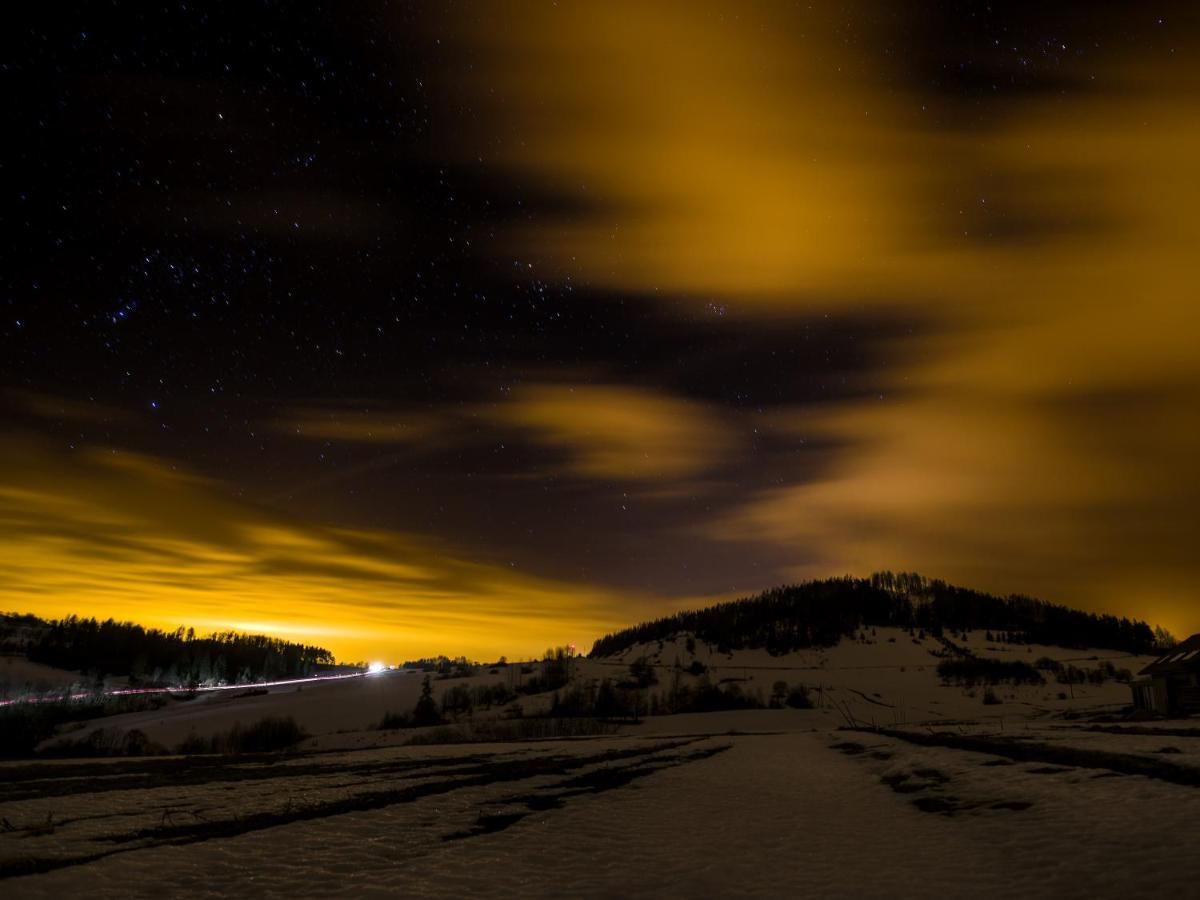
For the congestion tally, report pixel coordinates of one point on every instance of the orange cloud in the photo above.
(1046, 442)
(117, 534)
(619, 432)
(46, 406)
(744, 152)
(1042, 434)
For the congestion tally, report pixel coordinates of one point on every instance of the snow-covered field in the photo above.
(890, 679)
(946, 797)
(20, 676)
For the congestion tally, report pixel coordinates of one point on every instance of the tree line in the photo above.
(820, 613)
(152, 656)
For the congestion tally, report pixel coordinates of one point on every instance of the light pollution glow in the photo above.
(1040, 435)
(1043, 438)
(117, 534)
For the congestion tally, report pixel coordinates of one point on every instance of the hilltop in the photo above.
(821, 613)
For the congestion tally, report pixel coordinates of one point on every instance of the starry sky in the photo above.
(473, 327)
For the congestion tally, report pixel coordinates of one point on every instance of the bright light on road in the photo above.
(375, 668)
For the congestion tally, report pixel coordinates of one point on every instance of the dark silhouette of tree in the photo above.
(1163, 639)
(821, 613)
(148, 655)
(426, 710)
(458, 701)
(642, 673)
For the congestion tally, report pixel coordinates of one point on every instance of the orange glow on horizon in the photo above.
(124, 536)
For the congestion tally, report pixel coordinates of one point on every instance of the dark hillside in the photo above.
(821, 613)
(151, 656)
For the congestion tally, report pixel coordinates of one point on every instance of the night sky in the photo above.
(479, 327)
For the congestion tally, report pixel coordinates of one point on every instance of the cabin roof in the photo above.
(1183, 657)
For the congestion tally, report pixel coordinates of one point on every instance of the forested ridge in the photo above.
(153, 656)
(820, 613)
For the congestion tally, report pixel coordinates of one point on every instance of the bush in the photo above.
(393, 720)
(642, 673)
(554, 673)
(1071, 675)
(193, 744)
(268, 735)
(577, 700)
(488, 695)
(108, 742)
(459, 700)
(489, 730)
(798, 697)
(779, 692)
(704, 696)
(25, 725)
(972, 670)
(990, 698)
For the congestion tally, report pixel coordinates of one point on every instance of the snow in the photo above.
(775, 814)
(752, 803)
(19, 676)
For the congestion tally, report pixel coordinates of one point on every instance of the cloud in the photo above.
(54, 408)
(124, 535)
(619, 432)
(1041, 433)
(747, 155)
(363, 426)
(1046, 441)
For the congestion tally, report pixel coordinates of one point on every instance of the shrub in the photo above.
(489, 730)
(458, 700)
(577, 700)
(972, 670)
(22, 727)
(107, 742)
(704, 696)
(642, 673)
(268, 735)
(193, 744)
(488, 695)
(553, 674)
(798, 697)
(392, 720)
(25, 725)
(990, 698)
(779, 692)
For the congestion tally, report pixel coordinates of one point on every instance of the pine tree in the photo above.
(426, 711)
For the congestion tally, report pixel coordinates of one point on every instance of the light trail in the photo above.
(129, 692)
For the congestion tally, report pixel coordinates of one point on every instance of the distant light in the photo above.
(376, 667)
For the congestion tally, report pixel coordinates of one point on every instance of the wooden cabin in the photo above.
(1171, 684)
